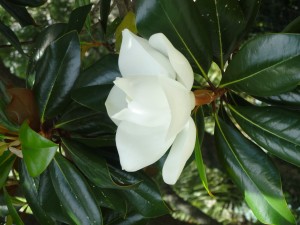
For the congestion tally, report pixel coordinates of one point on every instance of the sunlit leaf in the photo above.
(37, 150)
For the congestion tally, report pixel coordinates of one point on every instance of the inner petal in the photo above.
(137, 57)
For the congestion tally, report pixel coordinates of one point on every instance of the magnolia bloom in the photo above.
(151, 105)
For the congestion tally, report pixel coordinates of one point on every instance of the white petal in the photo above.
(115, 102)
(147, 103)
(138, 58)
(180, 102)
(180, 64)
(180, 152)
(140, 146)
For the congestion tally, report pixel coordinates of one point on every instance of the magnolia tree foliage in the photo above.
(61, 147)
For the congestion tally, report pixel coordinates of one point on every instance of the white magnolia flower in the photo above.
(151, 105)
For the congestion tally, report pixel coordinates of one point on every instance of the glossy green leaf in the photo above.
(85, 121)
(185, 28)
(49, 200)
(37, 150)
(104, 71)
(275, 129)
(74, 192)
(95, 142)
(78, 17)
(93, 97)
(267, 65)
(254, 173)
(56, 74)
(20, 13)
(111, 199)
(104, 12)
(199, 121)
(145, 198)
(291, 98)
(11, 37)
(30, 189)
(12, 211)
(131, 219)
(7, 160)
(92, 165)
(31, 3)
(227, 22)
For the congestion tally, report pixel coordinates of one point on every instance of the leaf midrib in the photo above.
(54, 82)
(258, 72)
(237, 159)
(260, 127)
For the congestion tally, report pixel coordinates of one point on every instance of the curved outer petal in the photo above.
(147, 103)
(138, 58)
(180, 152)
(115, 102)
(140, 146)
(180, 64)
(181, 101)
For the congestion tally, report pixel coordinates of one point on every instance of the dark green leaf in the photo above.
(111, 199)
(265, 66)
(11, 37)
(96, 142)
(85, 121)
(199, 120)
(37, 150)
(49, 201)
(20, 13)
(101, 72)
(56, 74)
(254, 173)
(74, 193)
(30, 189)
(291, 98)
(93, 97)
(185, 28)
(131, 219)
(293, 27)
(78, 17)
(273, 128)
(31, 3)
(145, 198)
(12, 211)
(104, 12)
(93, 166)
(227, 21)
(7, 160)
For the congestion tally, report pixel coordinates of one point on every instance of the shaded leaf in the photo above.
(293, 27)
(104, 12)
(49, 201)
(56, 73)
(254, 173)
(30, 189)
(93, 97)
(131, 219)
(7, 160)
(265, 66)
(11, 37)
(74, 193)
(273, 128)
(37, 150)
(83, 120)
(104, 71)
(20, 13)
(31, 3)
(78, 17)
(93, 166)
(185, 28)
(12, 211)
